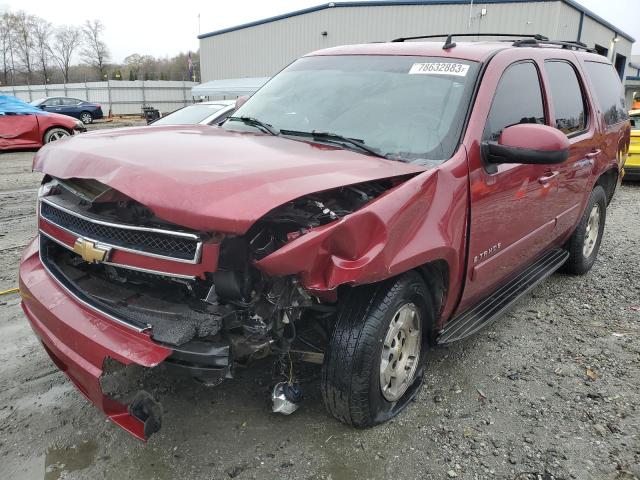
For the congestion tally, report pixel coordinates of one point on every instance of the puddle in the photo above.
(59, 461)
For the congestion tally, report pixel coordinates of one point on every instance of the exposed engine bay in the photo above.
(231, 305)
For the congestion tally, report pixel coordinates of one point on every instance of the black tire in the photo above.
(86, 117)
(55, 134)
(580, 263)
(351, 386)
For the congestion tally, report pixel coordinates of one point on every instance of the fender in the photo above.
(420, 221)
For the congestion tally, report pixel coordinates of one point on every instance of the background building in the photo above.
(262, 48)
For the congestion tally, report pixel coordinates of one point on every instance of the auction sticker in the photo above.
(439, 68)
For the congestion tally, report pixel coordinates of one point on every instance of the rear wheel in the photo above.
(55, 134)
(86, 117)
(585, 241)
(376, 356)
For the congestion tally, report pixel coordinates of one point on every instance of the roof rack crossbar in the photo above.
(449, 36)
(566, 44)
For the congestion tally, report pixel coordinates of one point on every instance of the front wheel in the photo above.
(584, 243)
(55, 134)
(375, 359)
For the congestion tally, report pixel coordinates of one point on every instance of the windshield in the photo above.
(190, 115)
(37, 102)
(635, 121)
(403, 107)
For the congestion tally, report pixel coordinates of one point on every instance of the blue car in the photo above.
(80, 109)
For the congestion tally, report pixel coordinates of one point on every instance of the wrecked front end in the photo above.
(107, 285)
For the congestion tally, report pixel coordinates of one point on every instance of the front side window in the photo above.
(567, 98)
(406, 108)
(53, 102)
(606, 83)
(518, 99)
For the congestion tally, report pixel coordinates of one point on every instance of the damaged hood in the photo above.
(208, 178)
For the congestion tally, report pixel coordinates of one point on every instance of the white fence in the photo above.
(121, 97)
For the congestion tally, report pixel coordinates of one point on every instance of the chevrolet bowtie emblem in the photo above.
(89, 251)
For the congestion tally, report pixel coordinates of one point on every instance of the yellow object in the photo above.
(11, 290)
(632, 165)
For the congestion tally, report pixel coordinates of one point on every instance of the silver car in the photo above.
(204, 113)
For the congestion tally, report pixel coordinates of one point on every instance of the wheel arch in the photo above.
(52, 127)
(608, 180)
(435, 274)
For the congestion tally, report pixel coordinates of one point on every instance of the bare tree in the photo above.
(95, 51)
(67, 39)
(42, 31)
(6, 48)
(22, 26)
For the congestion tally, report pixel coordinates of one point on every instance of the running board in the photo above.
(489, 309)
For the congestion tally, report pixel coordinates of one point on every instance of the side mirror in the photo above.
(633, 122)
(241, 101)
(42, 106)
(529, 143)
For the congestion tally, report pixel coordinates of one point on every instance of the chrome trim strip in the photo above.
(86, 304)
(122, 265)
(125, 226)
(154, 272)
(195, 260)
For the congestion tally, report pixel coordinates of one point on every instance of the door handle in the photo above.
(593, 153)
(545, 179)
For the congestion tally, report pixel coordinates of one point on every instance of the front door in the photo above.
(512, 211)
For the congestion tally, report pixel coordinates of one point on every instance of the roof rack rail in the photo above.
(449, 43)
(566, 44)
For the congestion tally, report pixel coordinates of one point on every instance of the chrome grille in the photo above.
(155, 243)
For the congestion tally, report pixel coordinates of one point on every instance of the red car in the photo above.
(369, 203)
(32, 130)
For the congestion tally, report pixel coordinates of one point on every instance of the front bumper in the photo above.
(79, 340)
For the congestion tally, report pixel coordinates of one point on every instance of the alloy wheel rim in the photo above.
(86, 118)
(57, 136)
(400, 352)
(592, 231)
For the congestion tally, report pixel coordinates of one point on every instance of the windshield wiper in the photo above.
(334, 138)
(254, 122)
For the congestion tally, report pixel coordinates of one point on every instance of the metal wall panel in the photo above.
(122, 97)
(263, 50)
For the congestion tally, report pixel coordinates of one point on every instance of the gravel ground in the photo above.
(548, 392)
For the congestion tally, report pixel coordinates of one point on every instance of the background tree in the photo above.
(67, 39)
(6, 49)
(95, 51)
(22, 26)
(42, 38)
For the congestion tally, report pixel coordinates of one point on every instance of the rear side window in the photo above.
(567, 98)
(518, 99)
(608, 89)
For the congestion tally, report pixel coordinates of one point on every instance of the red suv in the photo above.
(367, 204)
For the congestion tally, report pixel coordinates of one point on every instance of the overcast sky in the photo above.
(162, 28)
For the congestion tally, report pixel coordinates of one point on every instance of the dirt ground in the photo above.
(551, 391)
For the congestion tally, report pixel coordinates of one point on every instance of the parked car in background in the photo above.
(632, 165)
(22, 126)
(74, 107)
(205, 113)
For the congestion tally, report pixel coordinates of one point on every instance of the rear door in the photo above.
(570, 112)
(512, 217)
(70, 106)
